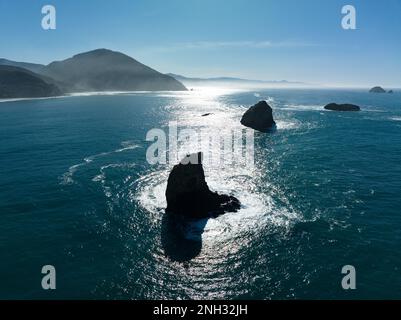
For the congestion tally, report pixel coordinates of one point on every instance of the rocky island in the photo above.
(188, 194)
(259, 117)
(342, 107)
(377, 90)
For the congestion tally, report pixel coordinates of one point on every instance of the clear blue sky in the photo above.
(259, 39)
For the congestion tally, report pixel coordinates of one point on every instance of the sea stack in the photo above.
(259, 117)
(390, 91)
(188, 194)
(342, 107)
(377, 90)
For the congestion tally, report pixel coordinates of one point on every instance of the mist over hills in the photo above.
(98, 70)
(232, 81)
(106, 70)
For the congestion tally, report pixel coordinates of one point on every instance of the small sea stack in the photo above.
(390, 91)
(342, 107)
(259, 117)
(377, 90)
(188, 194)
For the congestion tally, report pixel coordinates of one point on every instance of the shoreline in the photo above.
(195, 89)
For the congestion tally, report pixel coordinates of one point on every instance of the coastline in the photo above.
(195, 89)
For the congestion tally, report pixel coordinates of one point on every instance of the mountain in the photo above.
(17, 82)
(34, 67)
(106, 70)
(230, 81)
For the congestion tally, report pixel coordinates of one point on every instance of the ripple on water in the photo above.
(67, 178)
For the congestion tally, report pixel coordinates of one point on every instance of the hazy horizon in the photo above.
(255, 40)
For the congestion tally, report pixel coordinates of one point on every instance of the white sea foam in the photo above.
(111, 93)
(67, 177)
(258, 209)
(29, 99)
(300, 107)
(287, 125)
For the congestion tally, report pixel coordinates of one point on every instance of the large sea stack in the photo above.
(259, 117)
(342, 107)
(188, 194)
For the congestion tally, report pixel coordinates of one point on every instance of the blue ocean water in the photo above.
(77, 192)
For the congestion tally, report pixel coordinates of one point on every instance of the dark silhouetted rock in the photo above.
(342, 107)
(206, 114)
(377, 90)
(17, 82)
(390, 91)
(259, 117)
(188, 194)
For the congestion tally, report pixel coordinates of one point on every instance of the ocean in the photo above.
(77, 192)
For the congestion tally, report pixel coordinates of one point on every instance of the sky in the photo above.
(294, 40)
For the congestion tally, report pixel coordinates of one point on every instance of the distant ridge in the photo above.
(230, 80)
(34, 67)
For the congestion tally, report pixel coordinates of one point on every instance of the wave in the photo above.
(288, 125)
(300, 107)
(92, 93)
(32, 99)
(113, 93)
(67, 177)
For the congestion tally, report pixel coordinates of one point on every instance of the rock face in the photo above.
(377, 90)
(17, 82)
(342, 107)
(259, 117)
(390, 91)
(188, 194)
